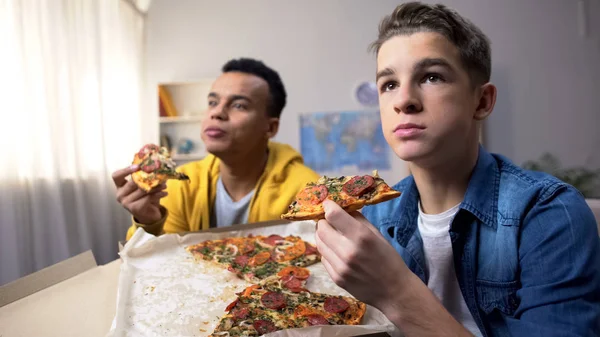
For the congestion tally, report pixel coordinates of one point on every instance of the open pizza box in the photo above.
(63, 299)
(162, 291)
(47, 277)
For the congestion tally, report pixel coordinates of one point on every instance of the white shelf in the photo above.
(181, 119)
(190, 102)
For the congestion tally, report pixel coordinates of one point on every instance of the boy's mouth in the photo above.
(408, 130)
(214, 132)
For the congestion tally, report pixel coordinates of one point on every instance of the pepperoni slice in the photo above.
(293, 283)
(310, 249)
(286, 278)
(297, 272)
(263, 326)
(241, 260)
(272, 239)
(358, 185)
(232, 305)
(241, 313)
(312, 195)
(259, 259)
(273, 300)
(316, 319)
(335, 305)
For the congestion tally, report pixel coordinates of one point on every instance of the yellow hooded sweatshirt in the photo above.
(189, 203)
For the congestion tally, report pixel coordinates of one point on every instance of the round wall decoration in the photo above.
(366, 94)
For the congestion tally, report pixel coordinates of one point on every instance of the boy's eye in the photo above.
(238, 106)
(433, 78)
(212, 103)
(388, 86)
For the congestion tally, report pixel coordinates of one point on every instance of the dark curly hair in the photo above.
(258, 68)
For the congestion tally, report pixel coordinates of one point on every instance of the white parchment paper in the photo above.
(164, 292)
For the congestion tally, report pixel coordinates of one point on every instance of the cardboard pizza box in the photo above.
(75, 297)
(46, 277)
(258, 225)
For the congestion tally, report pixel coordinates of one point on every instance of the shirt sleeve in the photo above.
(559, 256)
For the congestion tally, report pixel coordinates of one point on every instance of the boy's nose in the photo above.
(406, 101)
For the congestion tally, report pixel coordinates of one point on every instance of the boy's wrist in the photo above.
(401, 297)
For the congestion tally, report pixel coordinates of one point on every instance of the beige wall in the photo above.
(546, 72)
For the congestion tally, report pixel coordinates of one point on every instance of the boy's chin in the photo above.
(411, 153)
(217, 149)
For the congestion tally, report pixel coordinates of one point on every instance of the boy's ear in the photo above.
(487, 100)
(273, 127)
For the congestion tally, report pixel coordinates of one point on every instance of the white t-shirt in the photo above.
(434, 229)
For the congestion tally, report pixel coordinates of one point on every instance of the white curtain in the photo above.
(70, 83)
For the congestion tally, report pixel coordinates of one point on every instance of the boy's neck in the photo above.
(239, 175)
(443, 186)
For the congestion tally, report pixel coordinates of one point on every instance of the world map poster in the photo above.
(334, 141)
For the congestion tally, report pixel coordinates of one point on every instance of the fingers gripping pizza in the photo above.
(350, 192)
(156, 167)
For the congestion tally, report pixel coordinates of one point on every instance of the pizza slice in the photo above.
(256, 258)
(350, 192)
(156, 167)
(269, 307)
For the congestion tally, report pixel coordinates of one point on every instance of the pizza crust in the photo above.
(383, 196)
(319, 214)
(358, 311)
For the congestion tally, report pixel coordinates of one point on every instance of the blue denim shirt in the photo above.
(526, 250)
